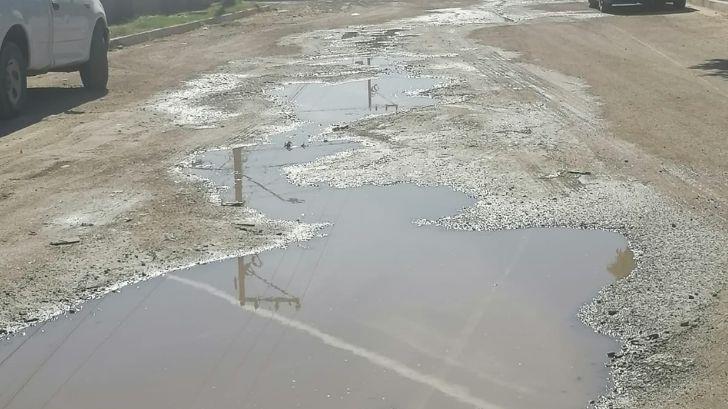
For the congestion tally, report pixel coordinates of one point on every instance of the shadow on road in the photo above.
(641, 10)
(717, 67)
(43, 102)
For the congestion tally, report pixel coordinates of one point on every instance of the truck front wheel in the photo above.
(13, 80)
(95, 72)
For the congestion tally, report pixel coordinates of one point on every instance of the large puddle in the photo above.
(378, 313)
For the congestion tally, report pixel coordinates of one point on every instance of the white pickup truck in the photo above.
(40, 36)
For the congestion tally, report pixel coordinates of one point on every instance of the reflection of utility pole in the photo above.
(240, 280)
(373, 89)
(238, 174)
(369, 86)
(247, 269)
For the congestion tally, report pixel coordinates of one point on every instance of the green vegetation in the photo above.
(146, 23)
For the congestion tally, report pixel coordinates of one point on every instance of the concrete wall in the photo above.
(120, 10)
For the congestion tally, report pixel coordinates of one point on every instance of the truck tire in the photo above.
(604, 6)
(679, 4)
(95, 72)
(13, 80)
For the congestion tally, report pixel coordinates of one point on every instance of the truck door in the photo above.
(69, 31)
(37, 16)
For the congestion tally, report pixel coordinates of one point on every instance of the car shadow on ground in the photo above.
(717, 67)
(43, 102)
(641, 10)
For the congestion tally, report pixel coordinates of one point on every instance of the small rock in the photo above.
(288, 145)
(685, 324)
(653, 336)
(611, 355)
(612, 312)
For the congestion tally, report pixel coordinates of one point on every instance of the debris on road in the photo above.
(66, 242)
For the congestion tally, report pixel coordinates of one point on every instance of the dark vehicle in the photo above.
(606, 5)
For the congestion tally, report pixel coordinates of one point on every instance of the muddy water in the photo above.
(378, 313)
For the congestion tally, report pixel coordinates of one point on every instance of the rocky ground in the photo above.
(546, 114)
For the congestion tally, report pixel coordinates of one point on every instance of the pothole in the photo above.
(378, 311)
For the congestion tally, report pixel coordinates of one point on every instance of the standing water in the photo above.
(378, 313)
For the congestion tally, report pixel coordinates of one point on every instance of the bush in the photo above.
(121, 10)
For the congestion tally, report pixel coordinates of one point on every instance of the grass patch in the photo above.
(146, 23)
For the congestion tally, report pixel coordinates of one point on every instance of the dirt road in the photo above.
(547, 115)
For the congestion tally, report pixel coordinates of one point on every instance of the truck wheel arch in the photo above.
(101, 24)
(18, 36)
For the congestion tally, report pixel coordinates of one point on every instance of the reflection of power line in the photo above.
(245, 269)
(238, 176)
(332, 109)
(298, 92)
(290, 200)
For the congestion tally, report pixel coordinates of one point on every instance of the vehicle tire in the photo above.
(95, 72)
(593, 4)
(679, 4)
(13, 80)
(604, 7)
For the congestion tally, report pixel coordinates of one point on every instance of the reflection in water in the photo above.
(396, 315)
(247, 269)
(238, 173)
(373, 89)
(238, 176)
(454, 391)
(623, 264)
